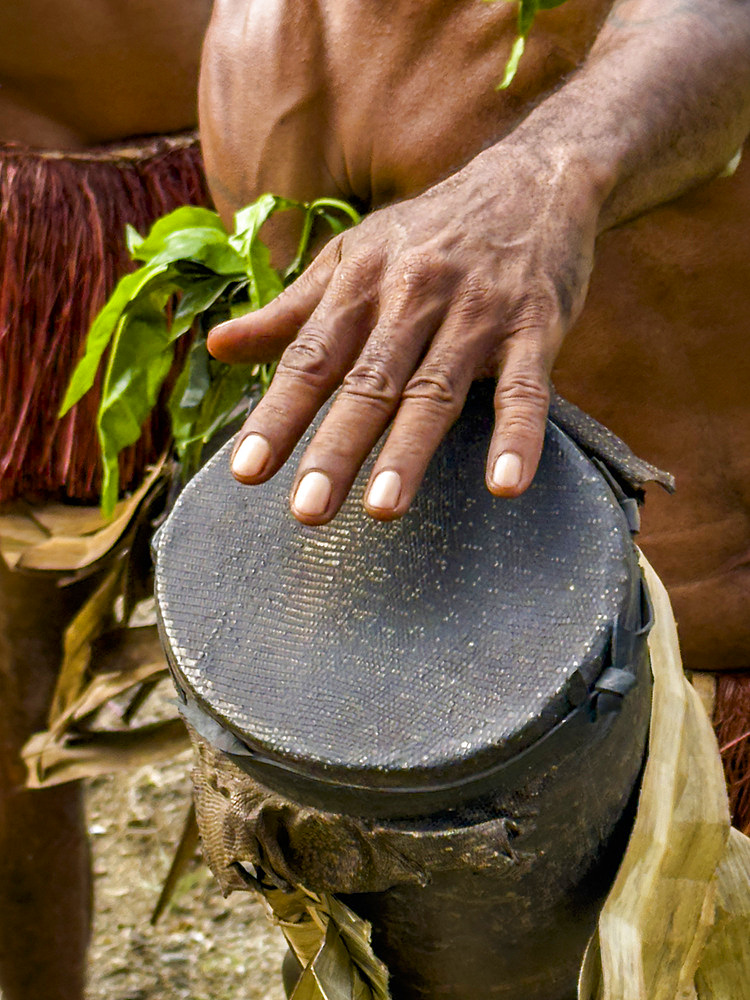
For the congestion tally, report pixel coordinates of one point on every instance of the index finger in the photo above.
(311, 367)
(259, 337)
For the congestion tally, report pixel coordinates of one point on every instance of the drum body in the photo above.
(442, 719)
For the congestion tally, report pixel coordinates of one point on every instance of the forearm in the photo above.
(662, 103)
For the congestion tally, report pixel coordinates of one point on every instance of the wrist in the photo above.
(578, 174)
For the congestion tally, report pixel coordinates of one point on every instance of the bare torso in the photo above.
(336, 98)
(93, 71)
(341, 96)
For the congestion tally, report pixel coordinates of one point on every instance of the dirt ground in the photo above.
(204, 947)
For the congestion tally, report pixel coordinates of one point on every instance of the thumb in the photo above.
(260, 337)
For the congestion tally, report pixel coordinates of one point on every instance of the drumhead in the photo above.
(421, 650)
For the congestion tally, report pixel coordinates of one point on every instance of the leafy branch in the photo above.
(194, 274)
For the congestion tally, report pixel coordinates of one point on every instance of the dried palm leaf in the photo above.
(678, 915)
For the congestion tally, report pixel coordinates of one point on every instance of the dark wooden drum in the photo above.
(443, 718)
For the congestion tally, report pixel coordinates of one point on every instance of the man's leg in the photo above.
(45, 881)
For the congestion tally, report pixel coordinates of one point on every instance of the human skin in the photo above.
(72, 76)
(85, 72)
(572, 222)
(485, 272)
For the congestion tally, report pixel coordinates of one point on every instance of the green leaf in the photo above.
(139, 362)
(199, 376)
(336, 225)
(127, 290)
(133, 241)
(248, 221)
(187, 252)
(318, 210)
(218, 398)
(527, 10)
(185, 406)
(265, 283)
(238, 309)
(144, 248)
(298, 264)
(198, 297)
(229, 389)
(201, 246)
(182, 419)
(512, 65)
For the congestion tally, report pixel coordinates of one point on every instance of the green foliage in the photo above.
(194, 274)
(527, 11)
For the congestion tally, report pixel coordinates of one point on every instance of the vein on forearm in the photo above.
(662, 102)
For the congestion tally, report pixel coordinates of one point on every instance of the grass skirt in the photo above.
(62, 249)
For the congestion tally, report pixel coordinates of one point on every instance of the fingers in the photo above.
(434, 398)
(521, 405)
(431, 402)
(309, 370)
(408, 367)
(365, 404)
(260, 337)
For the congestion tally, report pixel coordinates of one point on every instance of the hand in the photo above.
(482, 275)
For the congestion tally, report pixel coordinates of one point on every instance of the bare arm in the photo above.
(484, 273)
(662, 103)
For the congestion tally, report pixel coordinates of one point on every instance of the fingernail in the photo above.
(251, 456)
(313, 494)
(506, 474)
(385, 490)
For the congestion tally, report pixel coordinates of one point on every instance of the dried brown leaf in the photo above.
(72, 520)
(724, 971)
(331, 975)
(120, 650)
(52, 762)
(183, 855)
(18, 533)
(332, 944)
(103, 689)
(63, 538)
(659, 914)
(87, 625)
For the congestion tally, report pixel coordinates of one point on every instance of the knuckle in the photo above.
(525, 388)
(360, 264)
(353, 286)
(479, 305)
(423, 272)
(371, 380)
(308, 356)
(478, 292)
(523, 401)
(418, 266)
(435, 386)
(272, 410)
(536, 312)
(567, 292)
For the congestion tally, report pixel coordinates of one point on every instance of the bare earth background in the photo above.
(204, 947)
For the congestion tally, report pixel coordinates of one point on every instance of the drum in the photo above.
(440, 719)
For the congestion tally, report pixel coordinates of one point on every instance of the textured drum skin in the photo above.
(358, 668)
(384, 653)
